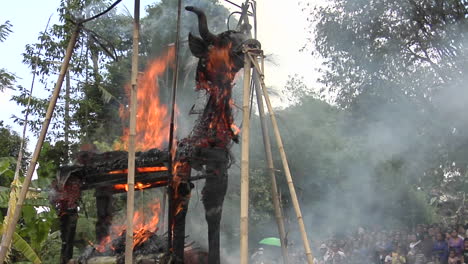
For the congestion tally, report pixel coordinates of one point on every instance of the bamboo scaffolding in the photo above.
(132, 136)
(284, 161)
(244, 204)
(10, 229)
(270, 168)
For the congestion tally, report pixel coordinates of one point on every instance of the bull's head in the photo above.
(233, 40)
(220, 58)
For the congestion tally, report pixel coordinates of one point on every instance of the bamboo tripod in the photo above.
(251, 61)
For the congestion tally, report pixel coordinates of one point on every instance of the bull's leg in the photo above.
(213, 198)
(68, 222)
(66, 202)
(182, 188)
(104, 213)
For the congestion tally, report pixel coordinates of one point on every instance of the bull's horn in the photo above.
(202, 24)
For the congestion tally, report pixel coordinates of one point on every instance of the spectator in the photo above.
(319, 259)
(461, 232)
(455, 243)
(426, 246)
(335, 256)
(440, 249)
(258, 256)
(431, 233)
(465, 251)
(380, 246)
(415, 255)
(388, 258)
(396, 257)
(453, 258)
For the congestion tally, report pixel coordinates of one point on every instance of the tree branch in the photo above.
(102, 13)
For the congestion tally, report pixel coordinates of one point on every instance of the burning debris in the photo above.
(147, 244)
(107, 174)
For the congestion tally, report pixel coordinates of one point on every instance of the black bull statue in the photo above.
(207, 147)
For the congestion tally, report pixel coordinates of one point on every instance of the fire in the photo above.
(139, 185)
(217, 81)
(235, 129)
(152, 124)
(179, 209)
(142, 229)
(145, 223)
(142, 169)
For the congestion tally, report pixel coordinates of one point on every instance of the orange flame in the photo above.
(142, 169)
(152, 123)
(143, 227)
(217, 81)
(139, 185)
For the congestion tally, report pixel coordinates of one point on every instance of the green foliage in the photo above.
(390, 48)
(6, 171)
(295, 90)
(340, 182)
(23, 247)
(262, 211)
(397, 69)
(36, 225)
(50, 253)
(5, 30)
(20, 243)
(7, 79)
(9, 142)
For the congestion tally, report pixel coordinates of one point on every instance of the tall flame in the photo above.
(152, 123)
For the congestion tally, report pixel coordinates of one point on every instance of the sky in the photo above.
(281, 30)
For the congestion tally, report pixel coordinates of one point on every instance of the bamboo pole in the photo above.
(284, 160)
(19, 159)
(163, 209)
(67, 116)
(10, 229)
(271, 168)
(244, 202)
(132, 136)
(170, 190)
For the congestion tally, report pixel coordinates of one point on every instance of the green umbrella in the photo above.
(272, 241)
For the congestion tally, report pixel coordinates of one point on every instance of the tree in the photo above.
(6, 79)
(399, 68)
(341, 181)
(410, 47)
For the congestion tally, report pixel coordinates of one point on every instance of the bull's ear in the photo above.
(197, 46)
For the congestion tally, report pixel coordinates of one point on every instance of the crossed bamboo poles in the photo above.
(251, 61)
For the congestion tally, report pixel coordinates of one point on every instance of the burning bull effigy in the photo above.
(206, 149)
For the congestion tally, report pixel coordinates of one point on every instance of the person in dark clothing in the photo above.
(426, 245)
(465, 251)
(440, 248)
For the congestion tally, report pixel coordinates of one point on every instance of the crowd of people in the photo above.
(425, 244)
(434, 244)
